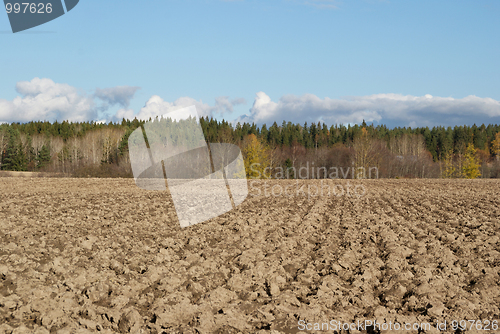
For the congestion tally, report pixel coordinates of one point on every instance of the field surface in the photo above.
(101, 255)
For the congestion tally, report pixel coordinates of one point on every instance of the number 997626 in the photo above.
(478, 325)
(26, 7)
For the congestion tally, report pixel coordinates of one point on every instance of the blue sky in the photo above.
(299, 60)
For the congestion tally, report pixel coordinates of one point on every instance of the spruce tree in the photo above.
(15, 157)
(10, 153)
(43, 157)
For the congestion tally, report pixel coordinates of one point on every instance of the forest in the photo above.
(92, 149)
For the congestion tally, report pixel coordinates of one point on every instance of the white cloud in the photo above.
(43, 99)
(124, 113)
(156, 106)
(224, 105)
(390, 109)
(120, 95)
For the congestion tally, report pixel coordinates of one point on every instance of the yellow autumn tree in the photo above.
(256, 157)
(470, 167)
(449, 169)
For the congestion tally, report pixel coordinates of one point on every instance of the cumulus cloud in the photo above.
(223, 104)
(390, 109)
(43, 99)
(120, 95)
(124, 113)
(156, 106)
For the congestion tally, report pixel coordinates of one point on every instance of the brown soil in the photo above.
(5, 173)
(101, 255)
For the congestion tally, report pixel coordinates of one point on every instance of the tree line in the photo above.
(101, 149)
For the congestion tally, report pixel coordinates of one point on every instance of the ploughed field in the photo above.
(101, 255)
